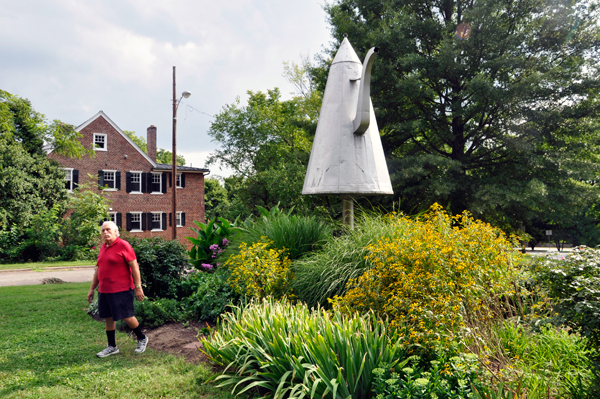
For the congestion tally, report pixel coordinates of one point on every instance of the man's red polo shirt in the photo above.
(114, 273)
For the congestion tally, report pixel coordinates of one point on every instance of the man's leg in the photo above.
(111, 348)
(133, 323)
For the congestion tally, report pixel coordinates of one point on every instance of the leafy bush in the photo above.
(297, 235)
(162, 263)
(260, 272)
(325, 273)
(295, 352)
(434, 273)
(204, 296)
(213, 238)
(155, 313)
(442, 379)
(79, 252)
(574, 285)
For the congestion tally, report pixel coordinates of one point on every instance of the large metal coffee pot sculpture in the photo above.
(347, 157)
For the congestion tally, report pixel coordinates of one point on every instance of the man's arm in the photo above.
(137, 279)
(95, 282)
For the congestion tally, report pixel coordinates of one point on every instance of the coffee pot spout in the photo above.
(362, 120)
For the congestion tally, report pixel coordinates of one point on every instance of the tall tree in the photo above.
(162, 156)
(483, 105)
(30, 183)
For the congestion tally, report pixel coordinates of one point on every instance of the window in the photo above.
(180, 180)
(112, 217)
(157, 221)
(69, 179)
(109, 179)
(156, 182)
(135, 182)
(135, 221)
(179, 217)
(99, 142)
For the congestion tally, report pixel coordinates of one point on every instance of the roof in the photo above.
(166, 166)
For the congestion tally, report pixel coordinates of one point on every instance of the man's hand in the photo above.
(139, 294)
(90, 296)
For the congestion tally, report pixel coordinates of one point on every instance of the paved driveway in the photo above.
(29, 277)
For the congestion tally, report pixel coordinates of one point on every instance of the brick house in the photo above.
(140, 188)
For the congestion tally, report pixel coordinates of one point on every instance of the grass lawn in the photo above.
(42, 265)
(49, 345)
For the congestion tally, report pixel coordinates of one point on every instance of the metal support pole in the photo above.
(174, 169)
(348, 211)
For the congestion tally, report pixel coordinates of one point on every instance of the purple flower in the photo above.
(214, 247)
(225, 242)
(207, 266)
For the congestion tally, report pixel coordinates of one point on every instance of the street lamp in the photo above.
(185, 94)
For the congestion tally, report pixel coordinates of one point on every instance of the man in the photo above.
(118, 279)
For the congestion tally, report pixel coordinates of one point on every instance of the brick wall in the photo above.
(122, 156)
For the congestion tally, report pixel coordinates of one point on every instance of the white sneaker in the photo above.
(141, 345)
(109, 350)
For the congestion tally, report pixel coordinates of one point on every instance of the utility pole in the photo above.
(174, 170)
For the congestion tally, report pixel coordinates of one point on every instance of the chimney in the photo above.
(151, 142)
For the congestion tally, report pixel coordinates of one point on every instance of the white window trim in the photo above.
(115, 181)
(159, 184)
(178, 181)
(105, 142)
(178, 222)
(140, 172)
(71, 181)
(111, 216)
(160, 219)
(140, 230)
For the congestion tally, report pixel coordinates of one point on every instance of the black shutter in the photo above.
(144, 219)
(75, 179)
(118, 180)
(170, 217)
(101, 178)
(128, 221)
(170, 185)
(128, 182)
(149, 178)
(164, 221)
(150, 223)
(163, 181)
(119, 220)
(183, 180)
(183, 218)
(144, 182)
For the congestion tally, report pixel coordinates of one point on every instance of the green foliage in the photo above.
(205, 296)
(434, 275)
(501, 123)
(89, 209)
(140, 141)
(216, 202)
(294, 352)
(162, 262)
(44, 231)
(451, 378)
(296, 235)
(325, 273)
(213, 238)
(259, 272)
(574, 285)
(155, 313)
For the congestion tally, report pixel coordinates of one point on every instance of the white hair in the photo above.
(113, 227)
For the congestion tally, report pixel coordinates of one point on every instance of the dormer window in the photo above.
(99, 142)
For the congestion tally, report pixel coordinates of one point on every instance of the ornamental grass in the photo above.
(433, 276)
(289, 351)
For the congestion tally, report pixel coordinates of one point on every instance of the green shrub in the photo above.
(574, 285)
(212, 239)
(294, 352)
(155, 313)
(204, 296)
(441, 378)
(325, 274)
(162, 263)
(297, 235)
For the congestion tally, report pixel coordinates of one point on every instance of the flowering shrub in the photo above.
(435, 273)
(210, 243)
(260, 272)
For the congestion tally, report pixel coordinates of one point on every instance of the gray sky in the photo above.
(73, 58)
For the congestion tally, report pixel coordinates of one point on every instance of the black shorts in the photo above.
(118, 305)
